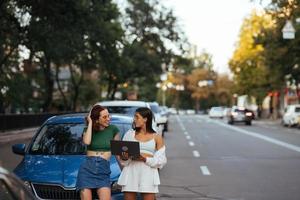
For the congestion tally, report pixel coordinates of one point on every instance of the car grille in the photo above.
(54, 192)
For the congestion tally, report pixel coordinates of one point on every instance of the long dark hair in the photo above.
(146, 113)
(95, 114)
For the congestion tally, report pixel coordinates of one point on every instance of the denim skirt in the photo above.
(94, 172)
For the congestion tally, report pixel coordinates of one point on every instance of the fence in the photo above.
(20, 121)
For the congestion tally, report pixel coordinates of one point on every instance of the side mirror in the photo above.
(19, 149)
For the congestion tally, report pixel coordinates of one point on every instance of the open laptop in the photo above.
(130, 147)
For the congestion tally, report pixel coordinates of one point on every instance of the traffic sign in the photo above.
(288, 31)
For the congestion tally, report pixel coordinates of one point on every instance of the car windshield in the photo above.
(239, 110)
(127, 110)
(64, 139)
(59, 139)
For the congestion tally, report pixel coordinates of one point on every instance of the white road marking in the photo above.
(205, 170)
(180, 123)
(185, 133)
(191, 143)
(188, 137)
(262, 137)
(196, 154)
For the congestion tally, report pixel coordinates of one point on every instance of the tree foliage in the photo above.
(282, 54)
(249, 65)
(82, 37)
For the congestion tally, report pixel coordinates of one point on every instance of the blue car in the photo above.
(52, 159)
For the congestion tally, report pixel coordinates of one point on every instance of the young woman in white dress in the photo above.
(140, 175)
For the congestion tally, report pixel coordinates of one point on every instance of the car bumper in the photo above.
(241, 119)
(46, 191)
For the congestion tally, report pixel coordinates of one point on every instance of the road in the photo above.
(209, 159)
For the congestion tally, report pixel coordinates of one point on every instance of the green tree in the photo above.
(150, 29)
(11, 37)
(248, 63)
(78, 35)
(282, 55)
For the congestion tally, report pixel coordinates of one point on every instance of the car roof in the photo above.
(154, 103)
(123, 103)
(80, 118)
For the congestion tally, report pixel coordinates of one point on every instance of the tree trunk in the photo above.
(197, 105)
(66, 105)
(109, 88)
(114, 90)
(76, 88)
(2, 109)
(49, 86)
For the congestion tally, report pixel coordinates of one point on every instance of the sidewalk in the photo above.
(268, 121)
(14, 135)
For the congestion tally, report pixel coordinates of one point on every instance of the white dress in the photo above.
(141, 177)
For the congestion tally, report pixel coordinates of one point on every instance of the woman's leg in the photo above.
(129, 195)
(86, 194)
(104, 193)
(148, 196)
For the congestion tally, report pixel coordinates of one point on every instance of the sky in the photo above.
(213, 25)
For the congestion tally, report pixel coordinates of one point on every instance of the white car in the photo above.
(123, 106)
(128, 108)
(161, 120)
(216, 112)
(291, 115)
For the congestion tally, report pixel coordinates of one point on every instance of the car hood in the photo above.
(61, 170)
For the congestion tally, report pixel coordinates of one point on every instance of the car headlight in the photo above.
(115, 188)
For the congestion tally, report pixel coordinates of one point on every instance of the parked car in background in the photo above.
(226, 112)
(216, 112)
(181, 112)
(291, 114)
(12, 188)
(53, 157)
(128, 108)
(123, 106)
(190, 111)
(164, 110)
(240, 114)
(173, 111)
(161, 120)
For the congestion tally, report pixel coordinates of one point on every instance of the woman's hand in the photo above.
(89, 119)
(124, 156)
(141, 158)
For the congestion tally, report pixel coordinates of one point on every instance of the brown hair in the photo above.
(95, 114)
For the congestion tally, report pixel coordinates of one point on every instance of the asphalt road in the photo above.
(209, 159)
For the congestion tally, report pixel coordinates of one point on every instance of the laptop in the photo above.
(130, 147)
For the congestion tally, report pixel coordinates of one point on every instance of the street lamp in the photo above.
(162, 85)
